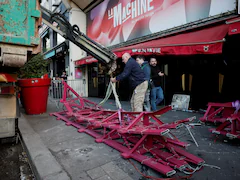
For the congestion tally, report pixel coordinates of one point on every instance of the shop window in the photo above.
(48, 46)
(46, 43)
(78, 73)
(60, 39)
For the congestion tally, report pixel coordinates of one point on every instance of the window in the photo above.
(60, 39)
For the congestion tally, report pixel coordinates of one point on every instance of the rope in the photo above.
(111, 88)
(212, 166)
(108, 94)
(193, 170)
(188, 128)
(118, 104)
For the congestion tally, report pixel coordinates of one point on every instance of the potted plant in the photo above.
(34, 84)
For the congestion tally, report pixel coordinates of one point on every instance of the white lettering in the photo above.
(110, 13)
(149, 49)
(134, 9)
(117, 20)
(143, 6)
(124, 13)
(149, 7)
(131, 10)
(139, 8)
(128, 9)
(158, 50)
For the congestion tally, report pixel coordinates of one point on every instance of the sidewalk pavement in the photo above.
(60, 152)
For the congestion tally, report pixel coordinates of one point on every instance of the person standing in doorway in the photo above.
(147, 71)
(156, 91)
(64, 76)
(137, 81)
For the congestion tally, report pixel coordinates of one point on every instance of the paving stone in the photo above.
(106, 177)
(128, 178)
(96, 173)
(58, 176)
(80, 176)
(44, 163)
(114, 171)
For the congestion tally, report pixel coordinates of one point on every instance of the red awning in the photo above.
(205, 41)
(234, 26)
(86, 60)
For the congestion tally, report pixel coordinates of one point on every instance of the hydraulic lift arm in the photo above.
(72, 33)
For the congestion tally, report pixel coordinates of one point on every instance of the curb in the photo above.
(44, 164)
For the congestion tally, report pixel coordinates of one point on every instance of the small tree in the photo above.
(36, 67)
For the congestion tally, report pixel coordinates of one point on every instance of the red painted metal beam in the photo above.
(134, 134)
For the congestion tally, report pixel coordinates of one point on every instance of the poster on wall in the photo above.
(78, 73)
(116, 21)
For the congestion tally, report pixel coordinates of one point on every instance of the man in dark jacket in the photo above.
(156, 91)
(147, 71)
(137, 80)
(64, 76)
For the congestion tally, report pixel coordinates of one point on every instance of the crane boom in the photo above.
(73, 33)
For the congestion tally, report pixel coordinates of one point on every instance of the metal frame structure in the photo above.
(227, 118)
(137, 135)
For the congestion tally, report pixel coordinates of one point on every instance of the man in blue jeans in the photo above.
(156, 91)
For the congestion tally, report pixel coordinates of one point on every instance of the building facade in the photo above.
(190, 39)
(195, 43)
(62, 53)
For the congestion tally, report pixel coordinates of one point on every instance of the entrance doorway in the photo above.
(93, 80)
